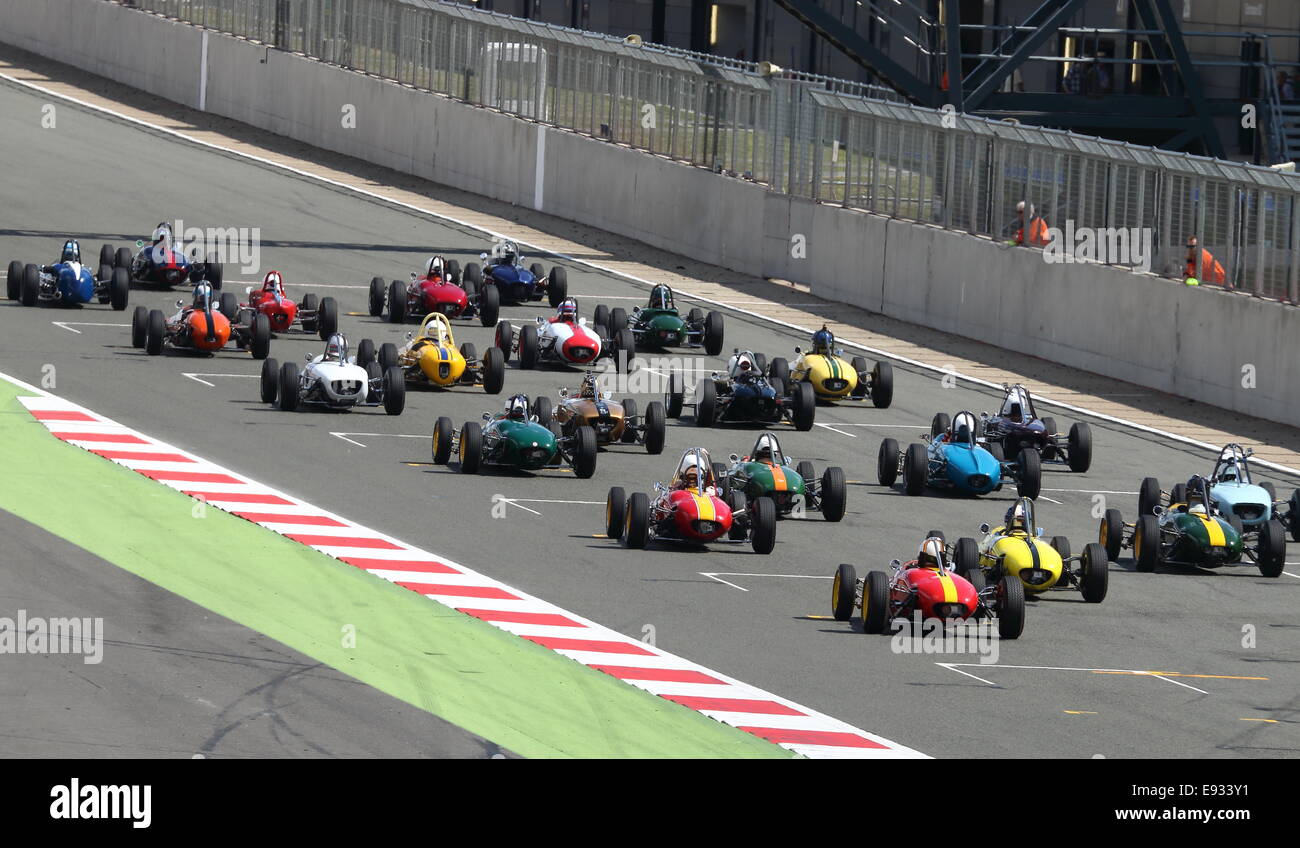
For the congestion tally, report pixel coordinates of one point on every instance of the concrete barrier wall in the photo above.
(1156, 333)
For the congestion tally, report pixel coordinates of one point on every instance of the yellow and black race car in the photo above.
(832, 377)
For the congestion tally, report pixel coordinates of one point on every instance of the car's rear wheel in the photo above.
(617, 320)
(270, 380)
(327, 317)
(615, 511)
(1270, 556)
(376, 303)
(216, 273)
(630, 411)
(365, 352)
(915, 465)
(261, 336)
(762, 519)
(1111, 533)
(31, 288)
(471, 447)
(887, 462)
(585, 452)
(834, 493)
(1010, 607)
(494, 371)
(1178, 494)
(528, 343)
(123, 258)
(544, 410)
(675, 397)
(625, 349)
(139, 327)
(228, 305)
(1080, 447)
(473, 273)
(1061, 545)
(1148, 495)
(394, 390)
(1293, 515)
(706, 402)
(155, 332)
(489, 305)
(966, 557)
(780, 368)
(1096, 573)
(14, 280)
(1029, 481)
(288, 387)
(387, 355)
(443, 430)
(396, 303)
(713, 333)
(106, 254)
(557, 285)
(636, 526)
(600, 317)
(844, 592)
(310, 304)
(452, 267)
(119, 289)
(374, 382)
(805, 406)
(939, 424)
(656, 426)
(505, 339)
(736, 502)
(1146, 543)
(882, 385)
(468, 351)
(875, 602)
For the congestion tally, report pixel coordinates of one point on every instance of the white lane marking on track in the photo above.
(1289, 574)
(1090, 491)
(713, 575)
(862, 424)
(549, 500)
(953, 667)
(1131, 671)
(1050, 500)
(195, 375)
(68, 325)
(344, 436)
(841, 432)
(512, 502)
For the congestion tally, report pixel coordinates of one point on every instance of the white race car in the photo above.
(563, 339)
(335, 380)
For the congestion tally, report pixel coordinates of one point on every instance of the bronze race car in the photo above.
(614, 423)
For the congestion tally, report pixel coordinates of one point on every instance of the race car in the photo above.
(504, 269)
(333, 380)
(514, 439)
(564, 339)
(658, 325)
(689, 510)
(441, 289)
(834, 379)
(67, 282)
(950, 457)
(1017, 426)
(742, 396)
(199, 328)
(312, 315)
(928, 589)
(615, 423)
(1235, 493)
(160, 263)
(766, 473)
(1191, 531)
(431, 358)
(1016, 548)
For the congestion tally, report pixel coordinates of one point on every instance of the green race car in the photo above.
(795, 489)
(514, 439)
(658, 325)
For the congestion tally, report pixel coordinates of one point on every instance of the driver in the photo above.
(744, 370)
(823, 342)
(567, 313)
(273, 284)
(433, 269)
(202, 295)
(661, 297)
(930, 555)
(71, 252)
(336, 349)
(1016, 519)
(588, 390)
(517, 408)
(690, 477)
(509, 253)
(764, 450)
(962, 430)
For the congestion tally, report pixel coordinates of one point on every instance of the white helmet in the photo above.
(433, 266)
(336, 349)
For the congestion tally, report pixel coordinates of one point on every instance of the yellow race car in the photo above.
(1017, 548)
(431, 358)
(833, 378)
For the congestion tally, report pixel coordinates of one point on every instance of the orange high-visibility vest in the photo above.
(1211, 270)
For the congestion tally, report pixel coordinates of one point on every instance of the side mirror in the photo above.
(1157, 510)
(564, 392)
(1039, 531)
(414, 275)
(659, 487)
(984, 528)
(248, 290)
(487, 416)
(798, 349)
(839, 351)
(606, 395)
(179, 304)
(306, 357)
(984, 415)
(895, 563)
(410, 336)
(482, 256)
(734, 458)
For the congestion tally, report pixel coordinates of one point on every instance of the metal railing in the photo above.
(814, 137)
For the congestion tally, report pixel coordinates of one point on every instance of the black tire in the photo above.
(778, 386)
(617, 320)
(155, 332)
(1111, 533)
(706, 402)
(374, 373)
(365, 352)
(859, 365)
(1272, 491)
(327, 317)
(844, 592)
(528, 347)
(1148, 496)
(995, 451)
(966, 557)
(1146, 543)
(452, 269)
(1061, 545)
(505, 339)
(106, 255)
(630, 411)
(1178, 494)
(805, 406)
(600, 317)
(119, 289)
(471, 447)
(780, 368)
(387, 355)
(1029, 482)
(394, 390)
(720, 479)
(396, 302)
(615, 512)
(939, 424)
(105, 275)
(288, 387)
(695, 317)
(1080, 447)
(216, 274)
(14, 280)
(675, 397)
(887, 462)
(656, 426)
(123, 258)
(736, 501)
(834, 493)
(376, 296)
(31, 288)
(139, 327)
(760, 362)
(260, 343)
(310, 303)
(473, 274)
(585, 451)
(625, 349)
(489, 305)
(882, 385)
(1011, 607)
(557, 285)
(1270, 556)
(915, 466)
(1293, 515)
(713, 333)
(1236, 524)
(538, 272)
(1049, 426)
(228, 305)
(762, 525)
(875, 602)
(494, 371)
(544, 410)
(1096, 573)
(443, 430)
(806, 471)
(468, 351)
(636, 525)
(270, 380)
(977, 581)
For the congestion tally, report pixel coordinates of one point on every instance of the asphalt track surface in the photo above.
(1052, 693)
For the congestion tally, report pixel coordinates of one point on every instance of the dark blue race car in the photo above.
(67, 282)
(159, 263)
(743, 396)
(516, 284)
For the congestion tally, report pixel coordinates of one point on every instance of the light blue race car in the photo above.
(951, 457)
(67, 282)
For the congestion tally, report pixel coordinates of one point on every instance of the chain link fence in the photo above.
(809, 136)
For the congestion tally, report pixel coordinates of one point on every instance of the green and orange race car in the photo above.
(795, 489)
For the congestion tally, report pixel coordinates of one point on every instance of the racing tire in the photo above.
(736, 501)
(834, 493)
(720, 479)
(630, 410)
(585, 452)
(600, 318)
(309, 304)
(471, 447)
(288, 387)
(625, 349)
(494, 371)
(452, 267)
(544, 410)
(996, 451)
(270, 380)
(762, 525)
(1236, 524)
(780, 368)
(844, 592)
(966, 558)
(538, 272)
(327, 318)
(939, 424)
(1029, 480)
(1096, 573)
(975, 577)
(473, 274)
(443, 430)
(105, 275)
(468, 351)
(377, 295)
(675, 398)
(882, 385)
(1011, 607)
(374, 372)
(806, 471)
(394, 390)
(260, 344)
(1146, 543)
(1148, 496)
(139, 327)
(528, 347)
(216, 274)
(119, 289)
(1080, 447)
(557, 286)
(805, 407)
(778, 386)
(859, 365)
(365, 352)
(396, 303)
(887, 462)
(489, 305)
(14, 280)
(617, 320)
(155, 331)
(1111, 533)
(1271, 554)
(1178, 494)
(31, 288)
(915, 466)
(228, 305)
(505, 339)
(387, 355)
(106, 254)
(713, 333)
(615, 512)
(706, 402)
(1061, 545)
(875, 602)
(1049, 426)
(1293, 515)
(760, 362)
(1272, 492)
(695, 317)
(123, 258)
(656, 426)
(636, 523)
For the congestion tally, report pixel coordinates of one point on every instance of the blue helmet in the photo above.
(71, 252)
(823, 341)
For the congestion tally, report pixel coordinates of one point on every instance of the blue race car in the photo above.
(160, 263)
(743, 396)
(67, 282)
(515, 283)
(951, 457)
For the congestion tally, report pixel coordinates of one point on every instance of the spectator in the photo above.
(1037, 235)
(1073, 83)
(1211, 270)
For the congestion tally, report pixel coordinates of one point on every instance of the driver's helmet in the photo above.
(202, 295)
(1197, 492)
(1014, 405)
(823, 341)
(568, 310)
(162, 234)
(1020, 517)
(742, 366)
(517, 408)
(694, 471)
(433, 268)
(661, 297)
(766, 449)
(588, 389)
(963, 428)
(931, 553)
(509, 253)
(71, 252)
(273, 283)
(336, 349)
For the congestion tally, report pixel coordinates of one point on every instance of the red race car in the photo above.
(441, 290)
(927, 587)
(563, 339)
(690, 510)
(310, 315)
(199, 328)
